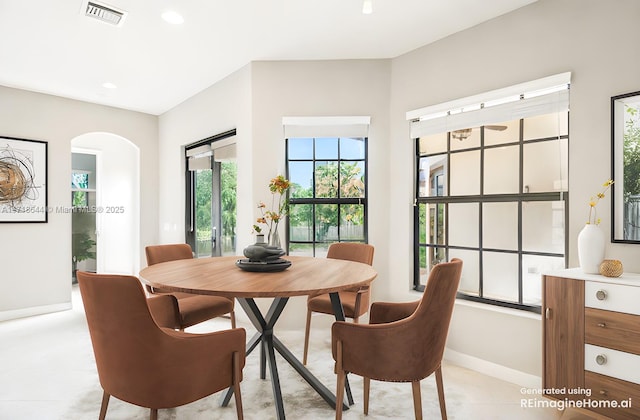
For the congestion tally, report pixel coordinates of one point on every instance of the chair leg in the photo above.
(340, 381)
(417, 400)
(366, 388)
(306, 337)
(439, 385)
(104, 405)
(236, 385)
(232, 315)
(154, 414)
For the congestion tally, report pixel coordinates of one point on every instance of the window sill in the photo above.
(499, 309)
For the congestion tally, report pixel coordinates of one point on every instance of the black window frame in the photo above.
(339, 201)
(520, 197)
(190, 186)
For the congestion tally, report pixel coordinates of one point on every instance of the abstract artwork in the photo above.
(23, 180)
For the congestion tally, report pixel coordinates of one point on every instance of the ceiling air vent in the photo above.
(107, 14)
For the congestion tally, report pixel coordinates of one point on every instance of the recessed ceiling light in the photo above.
(172, 17)
(367, 7)
(109, 85)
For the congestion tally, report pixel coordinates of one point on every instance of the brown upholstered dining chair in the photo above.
(355, 302)
(403, 342)
(144, 364)
(194, 309)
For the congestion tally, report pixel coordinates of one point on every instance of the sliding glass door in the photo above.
(211, 197)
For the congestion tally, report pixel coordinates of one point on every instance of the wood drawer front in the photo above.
(613, 330)
(605, 388)
(614, 363)
(612, 297)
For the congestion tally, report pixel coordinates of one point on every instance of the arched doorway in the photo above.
(115, 183)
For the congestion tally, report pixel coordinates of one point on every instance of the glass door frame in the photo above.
(205, 148)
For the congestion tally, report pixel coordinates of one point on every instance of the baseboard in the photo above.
(34, 310)
(492, 369)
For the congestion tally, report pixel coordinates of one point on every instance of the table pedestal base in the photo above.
(270, 344)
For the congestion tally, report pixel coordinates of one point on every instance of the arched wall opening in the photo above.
(117, 200)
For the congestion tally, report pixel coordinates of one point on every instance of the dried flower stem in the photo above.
(593, 202)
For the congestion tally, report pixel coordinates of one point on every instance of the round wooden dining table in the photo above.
(306, 276)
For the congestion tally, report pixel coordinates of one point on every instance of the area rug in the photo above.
(388, 400)
(48, 373)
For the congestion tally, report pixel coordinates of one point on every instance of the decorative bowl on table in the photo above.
(263, 258)
(279, 264)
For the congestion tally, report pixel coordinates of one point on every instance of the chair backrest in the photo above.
(351, 251)
(407, 349)
(123, 333)
(430, 322)
(162, 253)
(146, 365)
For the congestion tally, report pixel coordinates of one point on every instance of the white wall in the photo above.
(218, 109)
(253, 101)
(36, 257)
(594, 40)
(118, 195)
(323, 88)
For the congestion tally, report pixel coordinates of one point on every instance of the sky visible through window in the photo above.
(326, 148)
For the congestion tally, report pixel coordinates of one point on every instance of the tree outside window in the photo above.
(328, 193)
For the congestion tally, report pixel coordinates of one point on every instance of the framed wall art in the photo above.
(23, 181)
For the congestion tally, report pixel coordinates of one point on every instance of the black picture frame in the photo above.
(625, 133)
(23, 180)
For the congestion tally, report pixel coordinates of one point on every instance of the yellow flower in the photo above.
(593, 202)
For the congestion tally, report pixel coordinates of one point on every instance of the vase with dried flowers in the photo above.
(279, 209)
(591, 238)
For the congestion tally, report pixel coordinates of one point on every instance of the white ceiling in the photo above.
(49, 46)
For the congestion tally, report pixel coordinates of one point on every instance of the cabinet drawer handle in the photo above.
(604, 392)
(602, 324)
(601, 294)
(601, 359)
(547, 313)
